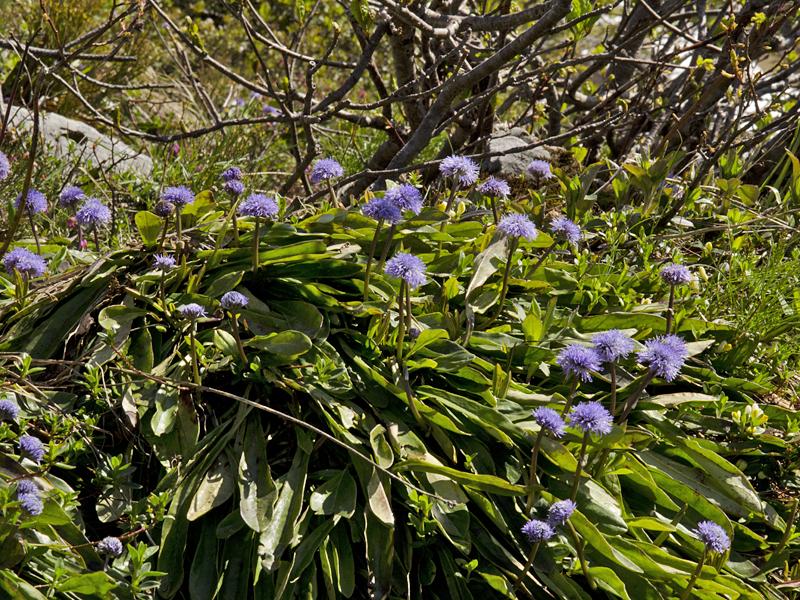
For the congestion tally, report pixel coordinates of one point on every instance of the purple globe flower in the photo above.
(31, 447)
(31, 504)
(8, 410)
(271, 111)
(179, 195)
(110, 545)
(579, 361)
(70, 196)
(538, 531)
(675, 274)
(234, 187)
(382, 209)
(407, 267)
(35, 202)
(549, 420)
(163, 208)
(665, 356)
(192, 311)
(540, 168)
(26, 263)
(258, 205)
(324, 169)
(5, 166)
(233, 301)
(494, 187)
(462, 169)
(26, 487)
(612, 345)
(232, 173)
(515, 226)
(163, 262)
(566, 229)
(93, 213)
(406, 197)
(591, 417)
(713, 536)
(560, 512)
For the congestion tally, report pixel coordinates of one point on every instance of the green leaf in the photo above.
(96, 584)
(257, 490)
(337, 496)
(486, 483)
(286, 345)
(215, 488)
(149, 226)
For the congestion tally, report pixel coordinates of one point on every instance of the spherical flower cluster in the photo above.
(192, 311)
(26, 263)
(549, 420)
(233, 301)
(494, 187)
(110, 545)
(612, 345)
(591, 417)
(538, 531)
(70, 196)
(35, 202)
(516, 226)
(28, 496)
(665, 356)
(462, 169)
(271, 111)
(578, 361)
(232, 173)
(5, 166)
(675, 274)
(234, 187)
(93, 213)
(8, 410)
(27, 487)
(324, 169)
(258, 205)
(560, 512)
(31, 447)
(540, 168)
(713, 536)
(179, 195)
(406, 197)
(566, 229)
(383, 209)
(164, 208)
(407, 267)
(163, 262)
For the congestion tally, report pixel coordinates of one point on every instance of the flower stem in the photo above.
(386, 247)
(581, 556)
(532, 481)
(670, 308)
(581, 455)
(237, 337)
(630, 403)
(370, 256)
(542, 258)
(33, 229)
(255, 245)
(612, 371)
(96, 238)
(694, 576)
(161, 242)
(526, 568)
(401, 325)
(161, 293)
(334, 197)
(493, 202)
(512, 247)
(195, 364)
(573, 389)
(408, 308)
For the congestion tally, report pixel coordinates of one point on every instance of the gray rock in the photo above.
(76, 141)
(511, 164)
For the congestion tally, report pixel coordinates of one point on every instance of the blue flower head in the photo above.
(232, 173)
(163, 262)
(35, 202)
(591, 417)
(665, 356)
(578, 361)
(234, 187)
(31, 447)
(163, 208)
(324, 169)
(538, 531)
(26, 263)
(407, 267)
(675, 274)
(258, 205)
(192, 311)
(515, 226)
(540, 168)
(382, 209)
(93, 213)
(549, 420)
(713, 536)
(110, 545)
(462, 169)
(31, 504)
(5, 166)
(27, 487)
(179, 196)
(233, 301)
(494, 187)
(406, 197)
(566, 229)
(560, 512)
(70, 196)
(612, 345)
(8, 410)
